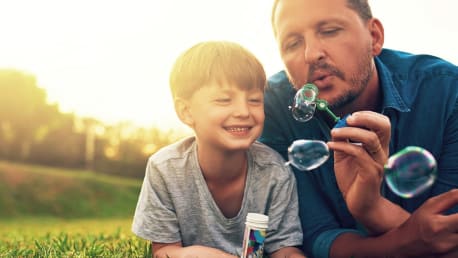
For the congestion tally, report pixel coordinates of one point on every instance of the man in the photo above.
(345, 207)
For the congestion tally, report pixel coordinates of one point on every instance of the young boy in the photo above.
(197, 192)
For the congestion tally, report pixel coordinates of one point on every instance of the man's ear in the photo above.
(378, 36)
(182, 108)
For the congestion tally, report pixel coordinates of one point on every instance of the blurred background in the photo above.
(84, 97)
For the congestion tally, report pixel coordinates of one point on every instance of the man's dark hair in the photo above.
(361, 7)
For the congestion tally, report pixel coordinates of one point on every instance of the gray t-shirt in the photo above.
(175, 204)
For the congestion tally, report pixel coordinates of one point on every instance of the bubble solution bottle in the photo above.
(254, 235)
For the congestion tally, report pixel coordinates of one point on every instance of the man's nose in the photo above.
(313, 50)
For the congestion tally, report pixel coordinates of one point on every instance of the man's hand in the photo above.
(429, 231)
(360, 151)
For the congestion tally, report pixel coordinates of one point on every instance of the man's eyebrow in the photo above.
(319, 24)
(336, 21)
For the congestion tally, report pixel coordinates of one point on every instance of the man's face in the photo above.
(325, 43)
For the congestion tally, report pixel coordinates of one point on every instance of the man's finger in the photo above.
(443, 202)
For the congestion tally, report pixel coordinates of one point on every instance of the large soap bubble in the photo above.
(307, 154)
(410, 171)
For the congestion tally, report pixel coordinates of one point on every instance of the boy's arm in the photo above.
(287, 252)
(175, 250)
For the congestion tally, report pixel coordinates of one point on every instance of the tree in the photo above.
(24, 113)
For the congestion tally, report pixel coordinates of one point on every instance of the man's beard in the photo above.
(358, 81)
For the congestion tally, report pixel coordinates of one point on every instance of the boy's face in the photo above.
(226, 117)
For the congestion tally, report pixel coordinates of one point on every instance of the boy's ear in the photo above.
(182, 109)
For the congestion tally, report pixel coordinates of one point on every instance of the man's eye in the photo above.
(293, 45)
(330, 32)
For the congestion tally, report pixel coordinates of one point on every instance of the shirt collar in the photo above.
(388, 82)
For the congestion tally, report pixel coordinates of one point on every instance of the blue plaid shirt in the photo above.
(420, 94)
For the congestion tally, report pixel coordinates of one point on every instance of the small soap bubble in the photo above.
(303, 111)
(410, 171)
(307, 154)
(304, 105)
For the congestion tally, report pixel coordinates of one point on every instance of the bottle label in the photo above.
(253, 243)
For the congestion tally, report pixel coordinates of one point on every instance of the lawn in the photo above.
(50, 237)
(57, 212)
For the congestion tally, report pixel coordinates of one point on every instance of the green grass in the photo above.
(56, 212)
(27, 190)
(51, 237)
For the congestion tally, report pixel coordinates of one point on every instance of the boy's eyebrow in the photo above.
(218, 89)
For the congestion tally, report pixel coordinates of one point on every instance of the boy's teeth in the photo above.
(237, 129)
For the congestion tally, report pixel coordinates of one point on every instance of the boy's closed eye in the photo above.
(256, 101)
(223, 100)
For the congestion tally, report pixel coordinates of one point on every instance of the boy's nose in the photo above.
(241, 109)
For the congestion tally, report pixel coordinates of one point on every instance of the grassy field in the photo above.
(27, 190)
(51, 237)
(51, 212)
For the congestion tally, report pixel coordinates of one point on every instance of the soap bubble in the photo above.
(410, 171)
(307, 154)
(303, 111)
(304, 104)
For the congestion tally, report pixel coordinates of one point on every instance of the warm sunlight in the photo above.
(86, 117)
(111, 59)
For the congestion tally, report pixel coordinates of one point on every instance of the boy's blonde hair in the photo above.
(215, 62)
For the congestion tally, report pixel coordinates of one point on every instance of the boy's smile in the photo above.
(226, 117)
(238, 130)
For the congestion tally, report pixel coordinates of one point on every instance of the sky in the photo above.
(110, 59)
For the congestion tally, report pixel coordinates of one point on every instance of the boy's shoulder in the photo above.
(264, 155)
(269, 165)
(176, 150)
